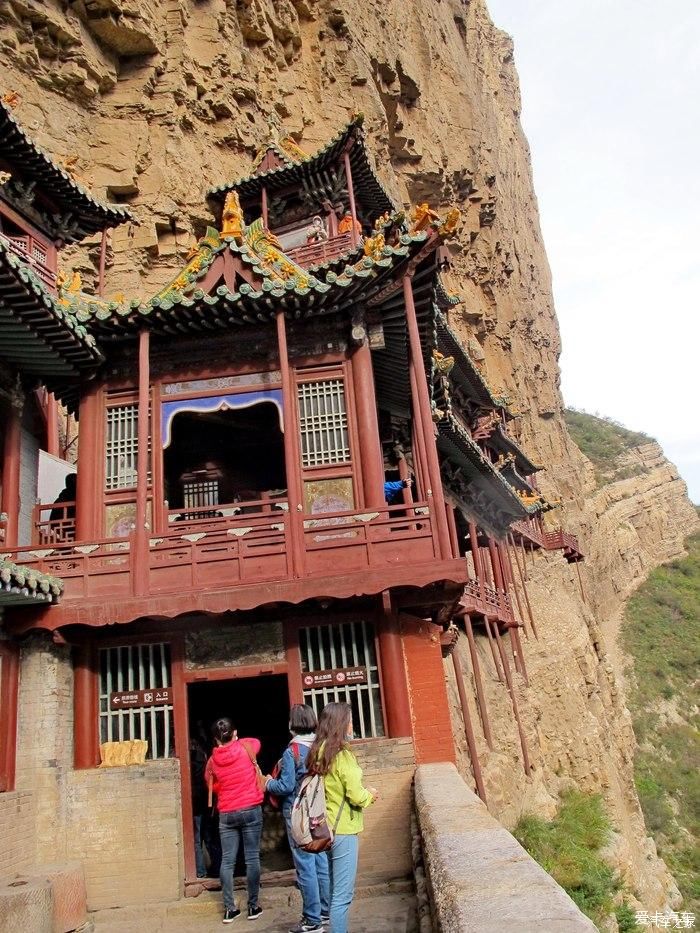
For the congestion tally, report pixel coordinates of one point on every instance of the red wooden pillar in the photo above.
(263, 205)
(351, 196)
(88, 495)
(103, 260)
(140, 561)
(52, 445)
(452, 525)
(421, 412)
(85, 712)
(368, 427)
(480, 695)
(10, 474)
(406, 492)
(9, 685)
(291, 455)
(395, 699)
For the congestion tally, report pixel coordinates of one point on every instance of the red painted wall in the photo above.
(430, 713)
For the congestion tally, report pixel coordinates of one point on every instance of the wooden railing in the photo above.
(312, 254)
(47, 530)
(230, 549)
(30, 250)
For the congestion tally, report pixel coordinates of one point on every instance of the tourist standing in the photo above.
(233, 770)
(311, 867)
(346, 798)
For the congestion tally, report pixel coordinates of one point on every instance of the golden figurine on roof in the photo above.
(232, 223)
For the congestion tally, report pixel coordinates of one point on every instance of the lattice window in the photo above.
(137, 668)
(205, 492)
(39, 252)
(121, 448)
(323, 423)
(342, 647)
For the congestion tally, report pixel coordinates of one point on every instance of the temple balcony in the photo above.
(35, 253)
(315, 254)
(531, 533)
(236, 557)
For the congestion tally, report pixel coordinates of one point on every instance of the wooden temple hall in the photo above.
(238, 537)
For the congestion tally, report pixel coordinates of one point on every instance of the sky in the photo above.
(611, 109)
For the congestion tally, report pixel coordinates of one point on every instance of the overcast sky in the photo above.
(611, 108)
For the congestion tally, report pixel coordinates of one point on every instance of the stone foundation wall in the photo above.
(126, 826)
(385, 844)
(17, 835)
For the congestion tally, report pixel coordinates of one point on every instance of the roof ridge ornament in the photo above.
(232, 223)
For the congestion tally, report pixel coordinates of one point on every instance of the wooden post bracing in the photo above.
(494, 651)
(87, 495)
(522, 583)
(52, 445)
(468, 728)
(506, 550)
(514, 701)
(480, 695)
(103, 260)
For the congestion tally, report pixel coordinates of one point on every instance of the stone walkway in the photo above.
(389, 908)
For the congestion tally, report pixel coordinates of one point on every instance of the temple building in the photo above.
(294, 484)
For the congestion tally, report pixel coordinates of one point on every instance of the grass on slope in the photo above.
(603, 441)
(661, 633)
(568, 847)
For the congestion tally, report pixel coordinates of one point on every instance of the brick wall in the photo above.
(17, 840)
(385, 844)
(126, 826)
(430, 712)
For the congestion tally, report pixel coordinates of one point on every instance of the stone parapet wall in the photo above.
(480, 877)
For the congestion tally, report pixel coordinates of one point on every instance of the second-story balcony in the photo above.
(35, 254)
(316, 253)
(237, 557)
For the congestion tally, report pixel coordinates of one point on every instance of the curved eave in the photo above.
(368, 188)
(502, 443)
(24, 586)
(35, 165)
(37, 334)
(456, 444)
(180, 314)
(466, 370)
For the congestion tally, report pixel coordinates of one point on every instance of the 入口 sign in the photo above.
(338, 677)
(135, 699)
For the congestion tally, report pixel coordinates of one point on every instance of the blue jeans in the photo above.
(237, 825)
(343, 869)
(313, 879)
(198, 850)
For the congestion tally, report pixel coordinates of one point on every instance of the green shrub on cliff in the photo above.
(604, 441)
(661, 634)
(568, 847)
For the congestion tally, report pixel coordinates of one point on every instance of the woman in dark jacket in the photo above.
(311, 867)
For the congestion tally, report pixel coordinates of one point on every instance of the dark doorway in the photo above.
(221, 457)
(258, 708)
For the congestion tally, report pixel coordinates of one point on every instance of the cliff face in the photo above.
(154, 101)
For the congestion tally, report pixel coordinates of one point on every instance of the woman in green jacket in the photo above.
(346, 798)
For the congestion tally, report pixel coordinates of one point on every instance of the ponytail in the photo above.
(222, 731)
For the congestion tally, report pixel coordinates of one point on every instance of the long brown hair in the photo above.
(330, 737)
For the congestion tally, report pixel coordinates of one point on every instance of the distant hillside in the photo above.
(661, 633)
(605, 443)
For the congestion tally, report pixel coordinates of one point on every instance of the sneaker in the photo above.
(230, 914)
(307, 927)
(254, 912)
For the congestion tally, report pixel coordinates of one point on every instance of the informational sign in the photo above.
(338, 677)
(136, 699)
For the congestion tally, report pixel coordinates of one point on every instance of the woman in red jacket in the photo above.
(240, 813)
